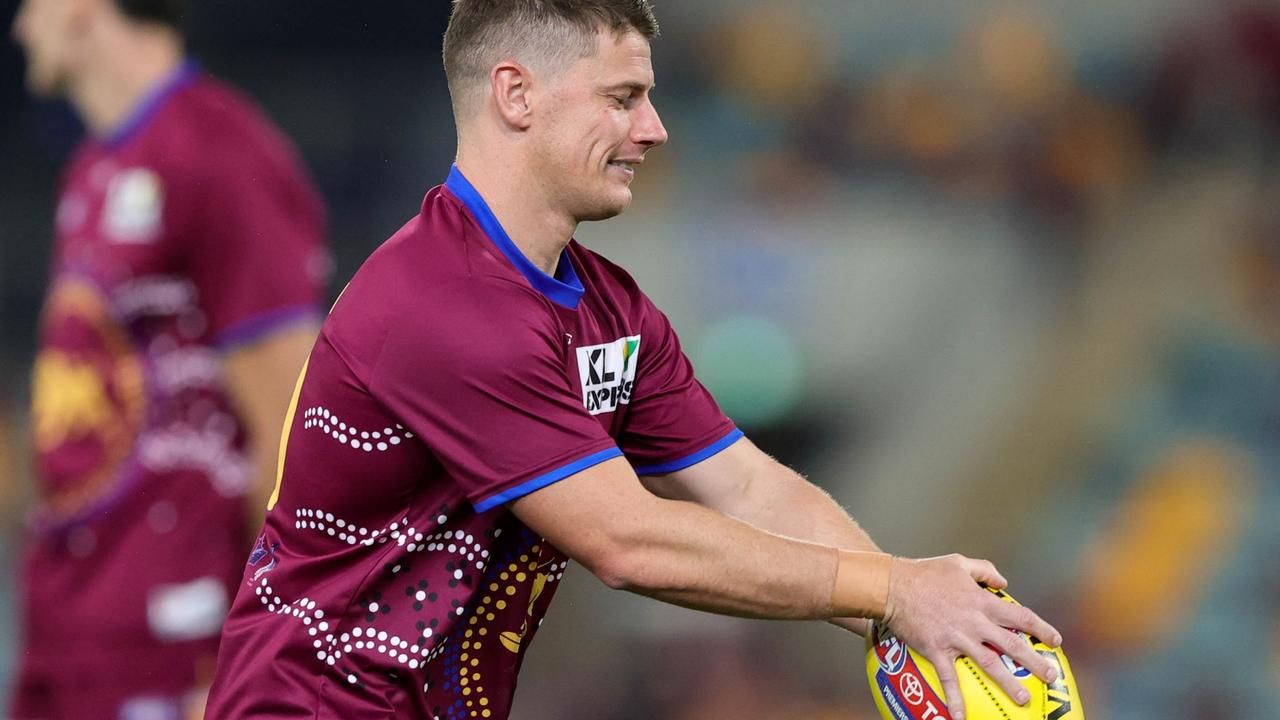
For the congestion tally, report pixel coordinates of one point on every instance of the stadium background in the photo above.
(1003, 278)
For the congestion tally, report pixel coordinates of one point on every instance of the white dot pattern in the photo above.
(331, 648)
(322, 418)
(347, 532)
(403, 534)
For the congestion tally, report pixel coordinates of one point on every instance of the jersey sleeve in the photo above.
(256, 253)
(673, 421)
(481, 380)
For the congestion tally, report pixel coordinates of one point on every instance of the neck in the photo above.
(114, 81)
(518, 199)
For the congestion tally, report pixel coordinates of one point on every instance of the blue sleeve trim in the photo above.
(546, 479)
(259, 326)
(693, 459)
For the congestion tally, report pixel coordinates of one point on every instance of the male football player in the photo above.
(186, 288)
(489, 399)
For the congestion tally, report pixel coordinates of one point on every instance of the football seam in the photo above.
(994, 700)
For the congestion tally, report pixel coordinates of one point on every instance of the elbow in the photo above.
(616, 579)
(623, 569)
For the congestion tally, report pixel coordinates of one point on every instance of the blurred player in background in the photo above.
(489, 399)
(188, 272)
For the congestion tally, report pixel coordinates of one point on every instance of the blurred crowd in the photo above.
(1010, 290)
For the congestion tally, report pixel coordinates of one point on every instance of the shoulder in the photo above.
(74, 173)
(217, 110)
(211, 131)
(614, 284)
(610, 281)
(602, 270)
(468, 329)
(427, 293)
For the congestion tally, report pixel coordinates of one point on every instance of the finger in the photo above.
(991, 664)
(1024, 655)
(946, 669)
(1021, 617)
(984, 572)
(1017, 648)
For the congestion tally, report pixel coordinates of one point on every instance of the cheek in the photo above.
(64, 25)
(585, 140)
(608, 131)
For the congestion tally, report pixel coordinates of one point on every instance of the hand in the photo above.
(937, 607)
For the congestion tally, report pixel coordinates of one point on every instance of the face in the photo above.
(598, 125)
(45, 29)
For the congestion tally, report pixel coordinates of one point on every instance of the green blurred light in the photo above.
(753, 367)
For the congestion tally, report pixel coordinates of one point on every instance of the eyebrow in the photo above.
(635, 87)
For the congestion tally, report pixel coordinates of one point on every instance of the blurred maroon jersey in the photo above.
(189, 231)
(451, 378)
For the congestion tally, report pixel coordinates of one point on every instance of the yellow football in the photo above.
(905, 686)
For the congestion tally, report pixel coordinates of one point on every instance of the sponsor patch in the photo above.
(135, 201)
(608, 373)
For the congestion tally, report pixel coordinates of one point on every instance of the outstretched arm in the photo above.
(743, 482)
(933, 604)
(679, 552)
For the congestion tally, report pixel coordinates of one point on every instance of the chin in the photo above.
(43, 84)
(606, 208)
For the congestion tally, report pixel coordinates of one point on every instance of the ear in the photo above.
(509, 85)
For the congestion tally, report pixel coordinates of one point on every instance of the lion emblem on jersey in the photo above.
(88, 398)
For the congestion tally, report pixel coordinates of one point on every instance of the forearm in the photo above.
(261, 378)
(262, 481)
(698, 558)
(263, 424)
(683, 553)
(783, 502)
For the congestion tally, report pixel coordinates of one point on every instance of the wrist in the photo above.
(861, 587)
(857, 626)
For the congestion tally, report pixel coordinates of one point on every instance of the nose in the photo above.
(649, 130)
(21, 30)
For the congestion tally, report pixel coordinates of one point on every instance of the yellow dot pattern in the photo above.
(523, 572)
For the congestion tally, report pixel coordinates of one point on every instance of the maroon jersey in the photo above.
(189, 231)
(451, 377)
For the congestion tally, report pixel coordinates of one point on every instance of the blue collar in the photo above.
(155, 98)
(564, 289)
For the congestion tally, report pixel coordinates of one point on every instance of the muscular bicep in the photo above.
(678, 552)
(719, 482)
(589, 515)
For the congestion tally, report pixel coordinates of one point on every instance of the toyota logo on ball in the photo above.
(912, 689)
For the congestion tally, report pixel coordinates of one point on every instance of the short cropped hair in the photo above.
(163, 12)
(483, 32)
